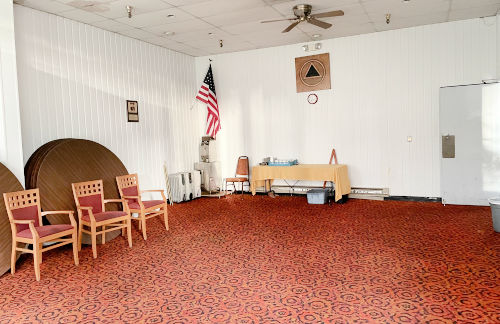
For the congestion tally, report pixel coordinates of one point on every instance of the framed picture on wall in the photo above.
(132, 111)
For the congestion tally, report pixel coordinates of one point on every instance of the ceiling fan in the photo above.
(302, 13)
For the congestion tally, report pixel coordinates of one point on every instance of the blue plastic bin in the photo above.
(317, 196)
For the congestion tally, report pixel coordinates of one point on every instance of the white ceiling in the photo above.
(237, 22)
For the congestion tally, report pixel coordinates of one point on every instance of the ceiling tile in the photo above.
(180, 27)
(156, 18)
(136, 33)
(82, 16)
(45, 5)
(242, 16)
(212, 42)
(111, 25)
(286, 8)
(178, 3)
(464, 4)
(377, 9)
(118, 9)
(218, 7)
(201, 35)
(255, 26)
(474, 12)
(404, 22)
(348, 31)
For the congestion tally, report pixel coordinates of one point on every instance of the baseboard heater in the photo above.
(356, 193)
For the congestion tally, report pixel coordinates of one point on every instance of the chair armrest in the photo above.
(157, 190)
(124, 203)
(16, 221)
(131, 197)
(87, 208)
(58, 212)
(114, 201)
(31, 224)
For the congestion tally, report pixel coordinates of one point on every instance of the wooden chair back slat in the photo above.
(88, 188)
(22, 199)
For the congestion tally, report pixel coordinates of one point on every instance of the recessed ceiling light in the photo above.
(210, 34)
(169, 33)
(405, 0)
(316, 35)
(170, 15)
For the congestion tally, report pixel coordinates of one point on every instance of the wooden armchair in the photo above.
(25, 216)
(128, 185)
(89, 199)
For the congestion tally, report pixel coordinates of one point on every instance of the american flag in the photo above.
(208, 96)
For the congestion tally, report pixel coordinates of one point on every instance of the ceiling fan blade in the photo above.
(319, 23)
(328, 14)
(291, 26)
(268, 21)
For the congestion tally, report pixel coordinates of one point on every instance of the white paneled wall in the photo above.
(74, 81)
(385, 87)
(10, 126)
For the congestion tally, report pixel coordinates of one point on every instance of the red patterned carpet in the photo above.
(263, 260)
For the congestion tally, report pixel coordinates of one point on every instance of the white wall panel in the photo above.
(74, 81)
(11, 152)
(385, 87)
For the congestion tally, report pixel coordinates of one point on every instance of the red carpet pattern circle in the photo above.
(262, 260)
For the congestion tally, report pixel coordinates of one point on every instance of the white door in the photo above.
(472, 115)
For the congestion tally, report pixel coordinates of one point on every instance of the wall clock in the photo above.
(312, 98)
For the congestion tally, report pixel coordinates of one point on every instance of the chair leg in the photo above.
(165, 216)
(80, 233)
(123, 229)
(75, 247)
(36, 261)
(13, 257)
(143, 224)
(140, 223)
(40, 253)
(94, 240)
(103, 239)
(129, 232)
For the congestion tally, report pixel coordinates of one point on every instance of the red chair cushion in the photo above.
(236, 179)
(99, 217)
(45, 230)
(147, 204)
(93, 201)
(26, 213)
(131, 191)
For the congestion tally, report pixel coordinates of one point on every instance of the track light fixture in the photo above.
(129, 11)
